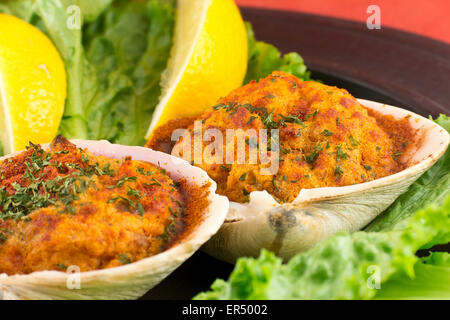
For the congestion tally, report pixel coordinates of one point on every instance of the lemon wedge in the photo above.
(208, 59)
(32, 85)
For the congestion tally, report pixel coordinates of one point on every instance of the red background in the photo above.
(429, 18)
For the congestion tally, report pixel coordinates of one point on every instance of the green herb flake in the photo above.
(315, 152)
(327, 133)
(62, 266)
(338, 172)
(353, 141)
(250, 120)
(340, 155)
(274, 184)
(124, 259)
(291, 119)
(396, 155)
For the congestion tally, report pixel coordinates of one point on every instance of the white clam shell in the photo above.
(318, 213)
(135, 279)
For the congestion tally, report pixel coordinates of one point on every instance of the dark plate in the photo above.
(384, 65)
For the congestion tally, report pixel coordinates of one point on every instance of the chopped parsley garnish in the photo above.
(340, 155)
(172, 212)
(294, 84)
(125, 179)
(143, 172)
(154, 183)
(338, 172)
(140, 209)
(62, 266)
(285, 151)
(315, 152)
(250, 120)
(2, 237)
(274, 184)
(106, 170)
(251, 142)
(368, 168)
(132, 204)
(396, 155)
(268, 121)
(291, 119)
(327, 133)
(353, 141)
(40, 194)
(61, 152)
(124, 259)
(311, 115)
(134, 193)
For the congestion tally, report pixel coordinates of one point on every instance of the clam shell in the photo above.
(317, 213)
(132, 280)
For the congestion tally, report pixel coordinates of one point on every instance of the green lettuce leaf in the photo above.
(127, 49)
(113, 61)
(431, 281)
(263, 58)
(345, 266)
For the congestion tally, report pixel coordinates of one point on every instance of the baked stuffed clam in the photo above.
(94, 220)
(326, 162)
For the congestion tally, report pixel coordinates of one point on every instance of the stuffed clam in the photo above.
(314, 161)
(94, 220)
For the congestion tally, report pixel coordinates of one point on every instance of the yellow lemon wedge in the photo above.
(32, 85)
(208, 59)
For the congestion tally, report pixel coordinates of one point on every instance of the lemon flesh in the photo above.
(32, 85)
(208, 59)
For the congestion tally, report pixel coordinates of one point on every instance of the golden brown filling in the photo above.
(326, 138)
(68, 207)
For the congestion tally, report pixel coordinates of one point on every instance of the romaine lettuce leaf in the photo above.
(127, 49)
(113, 62)
(263, 58)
